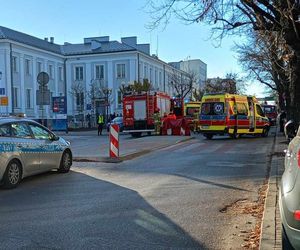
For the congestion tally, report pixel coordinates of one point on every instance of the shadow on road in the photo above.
(211, 183)
(76, 211)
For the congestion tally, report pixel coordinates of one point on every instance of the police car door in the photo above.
(51, 150)
(26, 146)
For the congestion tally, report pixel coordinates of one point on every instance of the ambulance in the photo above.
(233, 115)
(191, 113)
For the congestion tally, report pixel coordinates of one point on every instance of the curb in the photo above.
(268, 237)
(128, 156)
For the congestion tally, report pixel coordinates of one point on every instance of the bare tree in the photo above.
(136, 87)
(229, 17)
(182, 83)
(263, 57)
(79, 94)
(231, 84)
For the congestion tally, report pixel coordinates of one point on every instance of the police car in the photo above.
(28, 148)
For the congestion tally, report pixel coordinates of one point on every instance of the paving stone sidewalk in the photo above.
(271, 225)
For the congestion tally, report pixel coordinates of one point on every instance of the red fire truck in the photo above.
(138, 111)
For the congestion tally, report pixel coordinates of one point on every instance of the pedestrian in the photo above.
(88, 118)
(100, 124)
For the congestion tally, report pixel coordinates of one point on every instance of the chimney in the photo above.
(46, 39)
(51, 39)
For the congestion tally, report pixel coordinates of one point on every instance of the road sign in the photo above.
(59, 104)
(43, 97)
(43, 78)
(4, 101)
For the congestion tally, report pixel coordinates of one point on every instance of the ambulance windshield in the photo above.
(212, 108)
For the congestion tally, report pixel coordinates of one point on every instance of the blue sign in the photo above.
(2, 91)
(59, 105)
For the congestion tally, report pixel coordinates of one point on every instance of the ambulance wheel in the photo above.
(265, 132)
(235, 135)
(209, 136)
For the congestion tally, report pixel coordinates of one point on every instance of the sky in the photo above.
(71, 21)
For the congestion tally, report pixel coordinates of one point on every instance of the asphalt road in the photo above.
(169, 199)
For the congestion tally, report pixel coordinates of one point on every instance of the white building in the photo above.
(96, 62)
(193, 66)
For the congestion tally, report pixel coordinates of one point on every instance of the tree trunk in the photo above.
(294, 88)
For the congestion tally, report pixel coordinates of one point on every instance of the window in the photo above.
(5, 130)
(120, 96)
(259, 110)
(39, 132)
(79, 73)
(60, 73)
(241, 109)
(99, 71)
(160, 79)
(155, 78)
(150, 77)
(212, 108)
(50, 71)
(145, 72)
(80, 101)
(28, 99)
(20, 130)
(39, 67)
(120, 70)
(16, 97)
(27, 67)
(15, 64)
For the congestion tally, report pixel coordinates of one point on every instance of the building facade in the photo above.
(88, 75)
(193, 66)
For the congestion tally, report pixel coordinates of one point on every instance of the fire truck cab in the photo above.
(233, 115)
(139, 109)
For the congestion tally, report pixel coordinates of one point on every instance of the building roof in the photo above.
(6, 33)
(106, 47)
(67, 49)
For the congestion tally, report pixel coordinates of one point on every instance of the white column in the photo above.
(7, 78)
(34, 88)
(55, 74)
(68, 82)
(110, 82)
(88, 79)
(132, 70)
(22, 84)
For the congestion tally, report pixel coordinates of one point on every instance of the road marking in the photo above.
(188, 148)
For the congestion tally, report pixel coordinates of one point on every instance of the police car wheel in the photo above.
(12, 175)
(65, 163)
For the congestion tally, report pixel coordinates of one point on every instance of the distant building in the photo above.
(97, 62)
(194, 66)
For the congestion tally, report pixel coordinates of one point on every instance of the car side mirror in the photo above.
(290, 129)
(54, 137)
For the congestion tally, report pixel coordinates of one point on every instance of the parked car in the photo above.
(118, 121)
(270, 112)
(289, 194)
(28, 148)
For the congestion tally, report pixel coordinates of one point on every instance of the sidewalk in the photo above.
(271, 225)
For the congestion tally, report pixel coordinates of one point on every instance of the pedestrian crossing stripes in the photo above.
(210, 147)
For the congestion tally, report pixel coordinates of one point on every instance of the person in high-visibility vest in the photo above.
(157, 121)
(100, 124)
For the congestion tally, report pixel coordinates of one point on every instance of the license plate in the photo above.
(205, 126)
